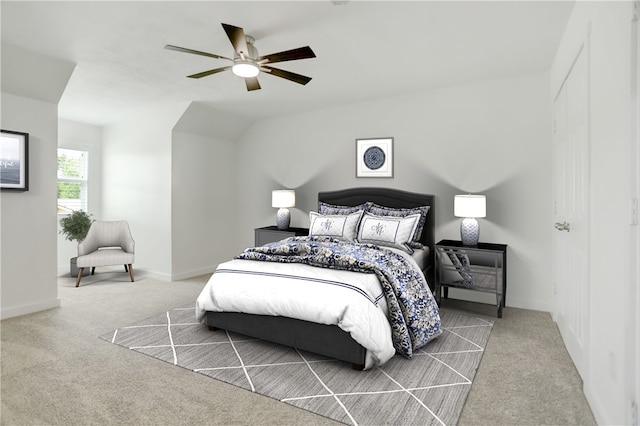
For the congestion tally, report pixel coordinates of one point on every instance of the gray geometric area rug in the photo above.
(429, 389)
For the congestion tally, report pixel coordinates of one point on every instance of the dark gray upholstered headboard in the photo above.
(393, 198)
(387, 197)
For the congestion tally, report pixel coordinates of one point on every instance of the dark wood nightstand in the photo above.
(270, 234)
(478, 268)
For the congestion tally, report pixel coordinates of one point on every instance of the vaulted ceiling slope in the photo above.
(365, 50)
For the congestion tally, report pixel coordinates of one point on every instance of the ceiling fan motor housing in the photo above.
(252, 52)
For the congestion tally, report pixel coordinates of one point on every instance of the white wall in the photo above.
(172, 182)
(203, 204)
(634, 252)
(491, 137)
(83, 137)
(204, 194)
(28, 219)
(174, 186)
(608, 382)
(136, 182)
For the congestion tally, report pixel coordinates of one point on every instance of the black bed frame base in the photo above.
(303, 335)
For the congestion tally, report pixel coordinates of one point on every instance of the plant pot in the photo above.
(74, 268)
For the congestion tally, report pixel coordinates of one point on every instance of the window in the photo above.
(72, 180)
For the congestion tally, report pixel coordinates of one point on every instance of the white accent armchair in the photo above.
(106, 244)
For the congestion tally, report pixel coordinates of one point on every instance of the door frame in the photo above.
(634, 302)
(581, 47)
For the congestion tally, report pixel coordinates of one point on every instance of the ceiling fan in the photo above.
(246, 62)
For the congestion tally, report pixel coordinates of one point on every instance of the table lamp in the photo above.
(470, 207)
(282, 199)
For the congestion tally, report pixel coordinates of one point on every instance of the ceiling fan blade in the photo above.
(300, 79)
(252, 83)
(237, 39)
(195, 52)
(206, 73)
(288, 55)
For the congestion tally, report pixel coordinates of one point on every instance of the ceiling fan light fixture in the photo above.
(247, 63)
(245, 69)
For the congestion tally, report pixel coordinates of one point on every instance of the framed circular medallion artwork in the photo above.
(374, 157)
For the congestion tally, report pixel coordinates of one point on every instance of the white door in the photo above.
(571, 210)
(635, 234)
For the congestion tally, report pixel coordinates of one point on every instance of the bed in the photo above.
(342, 339)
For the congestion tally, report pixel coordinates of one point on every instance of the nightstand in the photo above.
(477, 268)
(270, 234)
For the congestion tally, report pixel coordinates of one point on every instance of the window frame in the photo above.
(83, 180)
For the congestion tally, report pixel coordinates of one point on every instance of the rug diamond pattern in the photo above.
(326, 405)
(428, 389)
(443, 402)
(300, 383)
(425, 369)
(374, 409)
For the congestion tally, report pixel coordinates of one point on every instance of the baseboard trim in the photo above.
(534, 305)
(16, 311)
(596, 406)
(63, 271)
(145, 273)
(192, 273)
(489, 298)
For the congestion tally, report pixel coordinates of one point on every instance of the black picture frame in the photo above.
(14, 161)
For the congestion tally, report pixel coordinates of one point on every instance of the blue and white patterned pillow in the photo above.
(388, 230)
(379, 210)
(326, 208)
(461, 262)
(339, 226)
(448, 273)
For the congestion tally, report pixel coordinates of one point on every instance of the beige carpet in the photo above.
(55, 371)
(429, 389)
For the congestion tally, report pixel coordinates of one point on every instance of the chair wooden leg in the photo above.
(131, 272)
(80, 271)
(93, 269)
(125, 268)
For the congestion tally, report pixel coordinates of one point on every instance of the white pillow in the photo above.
(339, 226)
(388, 230)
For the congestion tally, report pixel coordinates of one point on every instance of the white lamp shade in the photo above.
(470, 206)
(283, 198)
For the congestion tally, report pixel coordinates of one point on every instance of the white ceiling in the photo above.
(365, 49)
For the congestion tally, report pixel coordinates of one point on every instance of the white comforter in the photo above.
(353, 301)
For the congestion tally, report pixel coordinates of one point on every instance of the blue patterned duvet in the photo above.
(413, 313)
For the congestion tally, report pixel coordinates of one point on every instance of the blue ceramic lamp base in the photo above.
(469, 231)
(283, 218)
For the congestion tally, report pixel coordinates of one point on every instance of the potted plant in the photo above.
(75, 227)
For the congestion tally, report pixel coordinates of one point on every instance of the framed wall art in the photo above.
(14, 161)
(374, 157)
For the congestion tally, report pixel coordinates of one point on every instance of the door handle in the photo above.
(564, 226)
